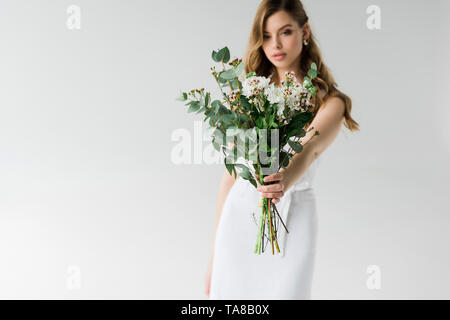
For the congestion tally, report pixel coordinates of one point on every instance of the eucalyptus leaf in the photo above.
(216, 105)
(225, 54)
(202, 109)
(233, 131)
(182, 96)
(245, 174)
(300, 133)
(253, 182)
(216, 145)
(194, 106)
(297, 147)
(228, 74)
(238, 70)
(234, 85)
(247, 106)
(215, 56)
(226, 119)
(230, 168)
(207, 99)
(312, 73)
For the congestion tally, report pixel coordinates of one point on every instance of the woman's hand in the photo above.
(275, 189)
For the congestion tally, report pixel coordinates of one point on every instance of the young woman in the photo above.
(281, 40)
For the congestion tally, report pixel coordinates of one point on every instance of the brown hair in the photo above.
(256, 61)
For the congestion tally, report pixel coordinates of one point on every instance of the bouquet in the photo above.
(258, 122)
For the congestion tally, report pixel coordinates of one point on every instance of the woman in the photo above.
(281, 40)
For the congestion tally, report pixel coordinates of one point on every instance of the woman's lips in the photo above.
(279, 57)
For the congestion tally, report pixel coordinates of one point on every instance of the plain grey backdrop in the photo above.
(92, 204)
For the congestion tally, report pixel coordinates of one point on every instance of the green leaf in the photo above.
(245, 174)
(202, 109)
(223, 110)
(225, 54)
(216, 105)
(216, 145)
(215, 56)
(194, 106)
(259, 123)
(207, 99)
(299, 121)
(297, 147)
(247, 106)
(312, 90)
(222, 81)
(238, 70)
(253, 182)
(266, 106)
(182, 96)
(264, 147)
(221, 55)
(210, 131)
(307, 82)
(242, 166)
(271, 120)
(227, 75)
(301, 133)
(234, 85)
(232, 131)
(312, 73)
(230, 168)
(226, 119)
(284, 156)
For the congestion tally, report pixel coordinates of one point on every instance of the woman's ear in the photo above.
(306, 31)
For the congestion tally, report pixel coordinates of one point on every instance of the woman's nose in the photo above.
(276, 43)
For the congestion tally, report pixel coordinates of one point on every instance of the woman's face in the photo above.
(283, 35)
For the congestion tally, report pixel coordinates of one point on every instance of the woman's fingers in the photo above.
(275, 191)
(277, 187)
(273, 177)
(272, 194)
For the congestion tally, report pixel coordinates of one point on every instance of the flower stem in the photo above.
(270, 225)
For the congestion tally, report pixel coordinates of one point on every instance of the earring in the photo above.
(305, 42)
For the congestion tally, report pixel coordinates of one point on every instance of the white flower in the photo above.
(254, 85)
(247, 88)
(290, 100)
(297, 90)
(274, 94)
(280, 110)
(263, 83)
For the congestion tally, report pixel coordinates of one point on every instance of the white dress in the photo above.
(239, 273)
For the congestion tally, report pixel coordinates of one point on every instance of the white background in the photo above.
(93, 206)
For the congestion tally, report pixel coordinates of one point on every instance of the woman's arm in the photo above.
(328, 122)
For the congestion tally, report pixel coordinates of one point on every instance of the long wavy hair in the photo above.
(255, 59)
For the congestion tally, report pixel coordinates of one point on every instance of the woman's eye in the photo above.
(287, 32)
